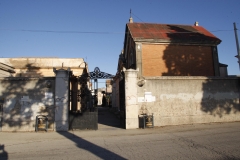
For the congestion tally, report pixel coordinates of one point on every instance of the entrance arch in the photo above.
(91, 117)
(106, 119)
(94, 76)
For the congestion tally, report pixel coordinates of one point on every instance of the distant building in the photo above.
(108, 86)
(170, 74)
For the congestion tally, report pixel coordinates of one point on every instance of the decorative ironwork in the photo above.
(98, 74)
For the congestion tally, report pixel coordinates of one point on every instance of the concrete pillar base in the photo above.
(131, 99)
(61, 100)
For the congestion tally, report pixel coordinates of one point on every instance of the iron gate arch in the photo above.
(97, 74)
(88, 117)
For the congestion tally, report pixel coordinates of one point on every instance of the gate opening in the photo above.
(90, 106)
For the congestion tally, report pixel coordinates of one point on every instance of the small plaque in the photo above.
(48, 95)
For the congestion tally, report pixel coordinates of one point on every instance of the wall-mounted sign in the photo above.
(147, 97)
(48, 95)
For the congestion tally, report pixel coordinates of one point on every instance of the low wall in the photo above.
(23, 99)
(85, 120)
(188, 100)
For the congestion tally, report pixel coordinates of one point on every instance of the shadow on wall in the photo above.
(220, 96)
(187, 60)
(24, 98)
(98, 151)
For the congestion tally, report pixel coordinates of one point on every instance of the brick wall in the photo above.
(176, 60)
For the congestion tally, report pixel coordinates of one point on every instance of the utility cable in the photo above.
(95, 32)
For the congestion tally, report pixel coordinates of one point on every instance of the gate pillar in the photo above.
(131, 109)
(61, 100)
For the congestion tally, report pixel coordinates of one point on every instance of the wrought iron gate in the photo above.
(85, 116)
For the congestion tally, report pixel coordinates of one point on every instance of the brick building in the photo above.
(171, 73)
(170, 50)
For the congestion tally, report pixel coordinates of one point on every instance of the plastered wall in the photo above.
(43, 67)
(25, 98)
(187, 100)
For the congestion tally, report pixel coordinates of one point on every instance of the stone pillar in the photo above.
(131, 99)
(61, 99)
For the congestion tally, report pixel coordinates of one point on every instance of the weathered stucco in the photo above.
(61, 100)
(34, 90)
(131, 109)
(187, 100)
(43, 67)
(25, 98)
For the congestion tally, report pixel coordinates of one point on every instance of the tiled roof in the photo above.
(171, 33)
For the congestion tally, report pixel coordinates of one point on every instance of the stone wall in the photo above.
(25, 98)
(188, 100)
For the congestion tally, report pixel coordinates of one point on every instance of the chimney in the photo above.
(196, 23)
(130, 20)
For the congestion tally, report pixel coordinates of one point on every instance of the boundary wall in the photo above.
(22, 99)
(187, 100)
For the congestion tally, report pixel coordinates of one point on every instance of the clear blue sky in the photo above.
(94, 29)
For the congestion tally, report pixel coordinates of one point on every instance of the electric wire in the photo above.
(96, 32)
(105, 32)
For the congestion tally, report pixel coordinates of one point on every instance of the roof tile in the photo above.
(172, 33)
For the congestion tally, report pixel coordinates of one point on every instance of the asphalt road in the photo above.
(200, 141)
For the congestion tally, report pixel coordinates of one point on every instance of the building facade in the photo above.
(173, 73)
(170, 50)
(32, 87)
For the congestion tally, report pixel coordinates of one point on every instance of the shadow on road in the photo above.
(3, 153)
(94, 149)
(106, 118)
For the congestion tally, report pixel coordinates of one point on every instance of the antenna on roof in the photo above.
(130, 19)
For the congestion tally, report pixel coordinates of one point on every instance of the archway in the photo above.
(106, 117)
(94, 76)
(90, 116)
